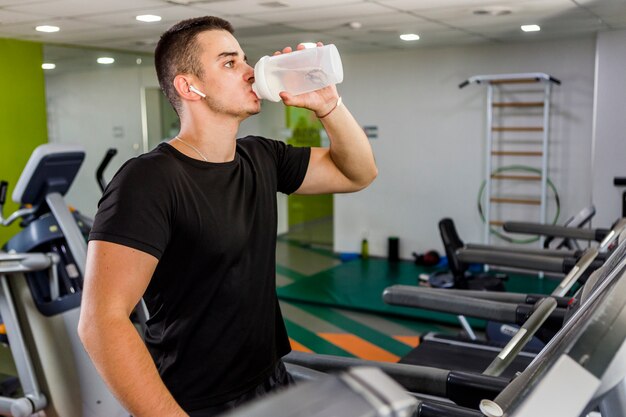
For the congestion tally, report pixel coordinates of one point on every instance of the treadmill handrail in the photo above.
(614, 234)
(111, 152)
(576, 272)
(525, 333)
(552, 230)
(414, 378)
(556, 253)
(503, 297)
(609, 290)
(24, 262)
(444, 302)
(514, 260)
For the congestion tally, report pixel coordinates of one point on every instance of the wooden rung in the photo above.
(516, 153)
(519, 104)
(517, 129)
(515, 201)
(496, 223)
(516, 81)
(517, 177)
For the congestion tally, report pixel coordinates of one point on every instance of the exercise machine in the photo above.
(580, 370)
(510, 311)
(46, 302)
(461, 255)
(509, 308)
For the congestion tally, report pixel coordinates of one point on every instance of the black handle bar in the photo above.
(100, 171)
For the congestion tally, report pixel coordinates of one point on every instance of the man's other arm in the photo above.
(116, 278)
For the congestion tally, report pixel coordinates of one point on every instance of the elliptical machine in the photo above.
(40, 302)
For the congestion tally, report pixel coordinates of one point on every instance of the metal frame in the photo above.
(33, 400)
(504, 78)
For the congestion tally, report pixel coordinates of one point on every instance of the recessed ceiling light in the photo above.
(148, 18)
(409, 37)
(492, 11)
(48, 65)
(308, 45)
(531, 28)
(105, 60)
(355, 25)
(47, 28)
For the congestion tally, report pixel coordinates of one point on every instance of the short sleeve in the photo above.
(135, 210)
(292, 164)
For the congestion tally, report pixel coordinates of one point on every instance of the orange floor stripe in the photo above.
(412, 341)
(359, 347)
(299, 346)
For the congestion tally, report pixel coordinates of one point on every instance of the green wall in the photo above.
(305, 128)
(22, 113)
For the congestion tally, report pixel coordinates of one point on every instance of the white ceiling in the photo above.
(263, 26)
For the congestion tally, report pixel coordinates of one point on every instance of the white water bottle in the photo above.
(297, 72)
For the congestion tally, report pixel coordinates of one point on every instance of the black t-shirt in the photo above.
(215, 328)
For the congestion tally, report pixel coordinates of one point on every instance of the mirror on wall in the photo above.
(94, 99)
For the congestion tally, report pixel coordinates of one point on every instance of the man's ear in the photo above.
(184, 87)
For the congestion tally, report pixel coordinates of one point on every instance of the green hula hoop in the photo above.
(517, 168)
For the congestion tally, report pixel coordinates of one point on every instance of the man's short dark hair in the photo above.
(178, 52)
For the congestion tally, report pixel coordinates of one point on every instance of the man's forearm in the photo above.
(350, 149)
(122, 359)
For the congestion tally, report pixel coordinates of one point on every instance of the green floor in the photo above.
(330, 328)
(336, 307)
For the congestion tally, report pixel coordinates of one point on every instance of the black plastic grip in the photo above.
(100, 171)
(562, 302)
(467, 389)
(568, 264)
(601, 234)
(602, 256)
(619, 181)
(553, 322)
(4, 186)
(437, 409)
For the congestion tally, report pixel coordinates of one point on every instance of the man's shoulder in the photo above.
(157, 156)
(155, 164)
(260, 145)
(254, 141)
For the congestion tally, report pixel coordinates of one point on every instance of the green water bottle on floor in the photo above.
(365, 251)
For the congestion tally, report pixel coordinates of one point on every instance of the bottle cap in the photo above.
(260, 86)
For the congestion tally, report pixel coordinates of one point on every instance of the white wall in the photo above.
(430, 150)
(609, 157)
(98, 109)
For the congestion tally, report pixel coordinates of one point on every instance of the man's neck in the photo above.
(214, 137)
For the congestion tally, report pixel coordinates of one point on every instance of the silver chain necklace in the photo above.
(192, 147)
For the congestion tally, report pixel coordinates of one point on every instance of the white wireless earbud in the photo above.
(198, 92)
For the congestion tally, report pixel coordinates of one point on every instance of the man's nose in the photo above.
(249, 74)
